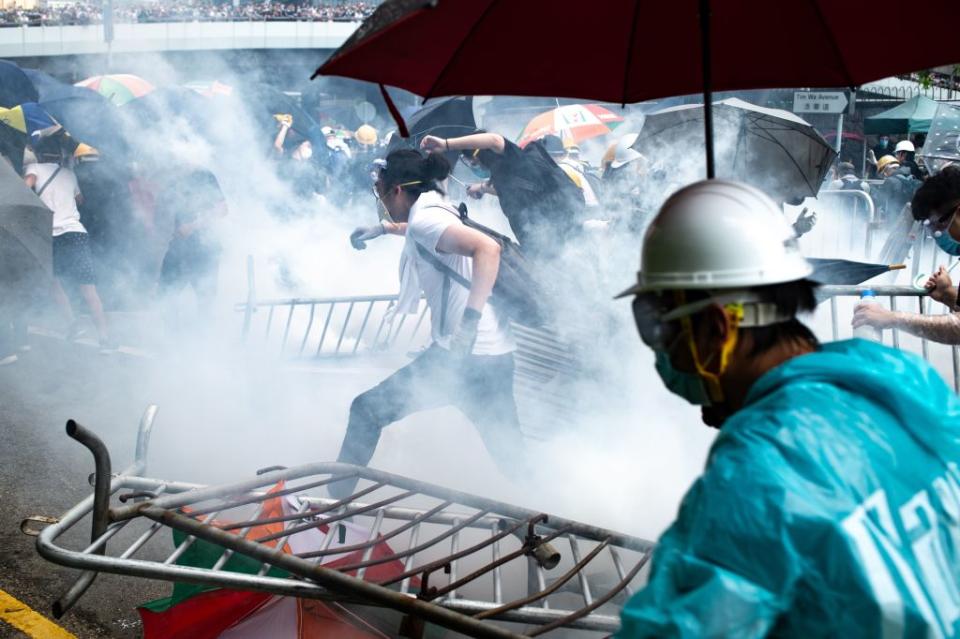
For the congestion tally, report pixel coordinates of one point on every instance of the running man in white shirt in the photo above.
(470, 362)
(55, 183)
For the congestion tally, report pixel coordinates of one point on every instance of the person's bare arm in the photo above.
(394, 228)
(281, 138)
(31, 180)
(492, 141)
(463, 240)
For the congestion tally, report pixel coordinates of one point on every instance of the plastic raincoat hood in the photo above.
(829, 507)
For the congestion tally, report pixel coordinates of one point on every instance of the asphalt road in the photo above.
(42, 471)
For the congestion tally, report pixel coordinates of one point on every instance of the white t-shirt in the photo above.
(428, 220)
(60, 196)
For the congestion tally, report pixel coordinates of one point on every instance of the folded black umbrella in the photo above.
(846, 272)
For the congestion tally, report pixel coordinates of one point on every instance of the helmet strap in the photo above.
(734, 314)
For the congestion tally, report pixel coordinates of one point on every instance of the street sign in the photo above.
(819, 101)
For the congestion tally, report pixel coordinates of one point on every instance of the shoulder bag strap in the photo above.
(49, 180)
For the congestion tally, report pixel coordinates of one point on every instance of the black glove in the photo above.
(465, 336)
(805, 222)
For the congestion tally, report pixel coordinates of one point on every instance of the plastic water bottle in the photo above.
(868, 332)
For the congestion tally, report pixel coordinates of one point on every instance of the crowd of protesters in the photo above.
(84, 13)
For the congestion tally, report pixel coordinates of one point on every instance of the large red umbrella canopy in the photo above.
(636, 50)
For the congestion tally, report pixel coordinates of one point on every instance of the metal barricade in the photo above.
(546, 364)
(329, 326)
(430, 553)
(838, 300)
(834, 236)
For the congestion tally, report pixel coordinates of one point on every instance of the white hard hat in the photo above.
(624, 154)
(905, 145)
(717, 234)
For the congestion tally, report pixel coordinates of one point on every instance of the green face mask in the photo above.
(687, 385)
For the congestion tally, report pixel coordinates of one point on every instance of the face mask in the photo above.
(947, 243)
(480, 171)
(687, 385)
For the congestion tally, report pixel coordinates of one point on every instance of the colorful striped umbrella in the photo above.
(573, 122)
(198, 612)
(119, 88)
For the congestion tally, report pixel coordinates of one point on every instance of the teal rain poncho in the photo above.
(829, 507)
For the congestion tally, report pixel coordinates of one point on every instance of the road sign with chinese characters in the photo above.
(819, 101)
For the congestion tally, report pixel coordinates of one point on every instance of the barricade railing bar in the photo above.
(899, 298)
(363, 325)
(857, 230)
(433, 554)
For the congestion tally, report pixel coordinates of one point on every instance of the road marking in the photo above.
(29, 621)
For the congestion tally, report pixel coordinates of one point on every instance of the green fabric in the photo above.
(835, 488)
(203, 554)
(912, 116)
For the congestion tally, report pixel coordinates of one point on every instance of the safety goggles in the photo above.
(941, 218)
(659, 326)
(376, 190)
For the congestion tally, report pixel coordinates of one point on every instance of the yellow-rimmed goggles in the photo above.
(660, 326)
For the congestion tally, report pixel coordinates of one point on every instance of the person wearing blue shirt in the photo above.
(830, 501)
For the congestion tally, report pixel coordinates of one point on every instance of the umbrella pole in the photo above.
(707, 84)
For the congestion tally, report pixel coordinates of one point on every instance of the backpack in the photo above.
(515, 293)
(549, 173)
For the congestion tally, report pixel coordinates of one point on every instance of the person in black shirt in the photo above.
(194, 201)
(543, 206)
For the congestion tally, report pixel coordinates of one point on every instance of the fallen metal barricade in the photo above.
(463, 562)
(944, 357)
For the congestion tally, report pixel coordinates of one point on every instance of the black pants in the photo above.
(480, 386)
(188, 261)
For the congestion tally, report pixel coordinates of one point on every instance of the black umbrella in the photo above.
(265, 101)
(447, 118)
(90, 118)
(15, 86)
(26, 236)
(159, 105)
(846, 272)
(12, 143)
(50, 88)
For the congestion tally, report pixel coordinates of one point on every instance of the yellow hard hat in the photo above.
(85, 152)
(886, 161)
(366, 135)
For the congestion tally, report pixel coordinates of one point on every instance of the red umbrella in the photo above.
(639, 49)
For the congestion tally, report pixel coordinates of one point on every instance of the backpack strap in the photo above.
(49, 180)
(448, 274)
